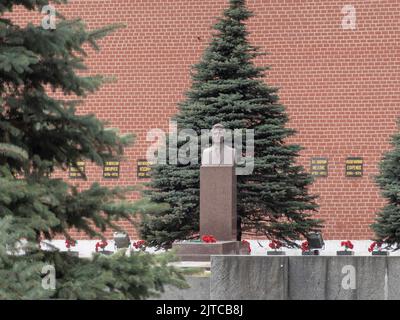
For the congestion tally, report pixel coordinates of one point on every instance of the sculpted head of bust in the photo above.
(217, 134)
(219, 153)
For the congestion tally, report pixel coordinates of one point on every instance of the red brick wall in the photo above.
(340, 87)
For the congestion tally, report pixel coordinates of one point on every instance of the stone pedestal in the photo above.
(218, 216)
(218, 202)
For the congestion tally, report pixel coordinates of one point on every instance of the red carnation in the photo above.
(70, 243)
(208, 239)
(139, 244)
(275, 244)
(305, 246)
(101, 245)
(347, 244)
(373, 245)
(247, 244)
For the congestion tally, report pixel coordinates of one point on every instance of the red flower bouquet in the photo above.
(376, 249)
(140, 244)
(70, 243)
(305, 247)
(346, 252)
(208, 239)
(375, 246)
(347, 245)
(275, 245)
(307, 251)
(102, 244)
(246, 243)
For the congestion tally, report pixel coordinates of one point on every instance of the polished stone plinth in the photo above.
(218, 215)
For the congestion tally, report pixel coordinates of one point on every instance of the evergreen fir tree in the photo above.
(40, 134)
(228, 88)
(387, 225)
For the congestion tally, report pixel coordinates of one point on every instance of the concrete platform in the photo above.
(305, 278)
(235, 277)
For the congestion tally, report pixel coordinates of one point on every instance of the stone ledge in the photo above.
(305, 278)
(292, 278)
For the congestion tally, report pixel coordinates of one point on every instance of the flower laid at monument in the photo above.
(208, 239)
(140, 245)
(276, 246)
(103, 244)
(348, 246)
(376, 249)
(69, 244)
(305, 249)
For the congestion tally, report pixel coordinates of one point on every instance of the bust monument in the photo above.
(218, 188)
(219, 153)
(218, 215)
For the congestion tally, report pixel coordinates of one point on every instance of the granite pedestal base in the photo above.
(218, 215)
(200, 251)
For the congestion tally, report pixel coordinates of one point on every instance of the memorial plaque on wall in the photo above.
(143, 169)
(77, 172)
(354, 167)
(319, 167)
(111, 169)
